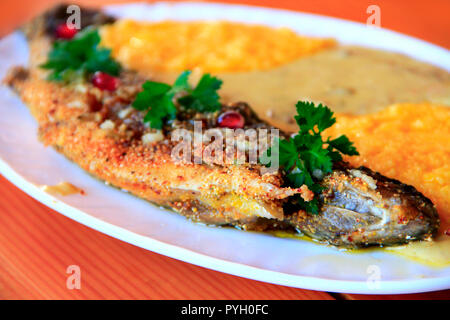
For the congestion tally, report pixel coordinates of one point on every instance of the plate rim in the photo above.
(225, 266)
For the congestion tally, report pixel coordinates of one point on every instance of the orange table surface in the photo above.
(37, 244)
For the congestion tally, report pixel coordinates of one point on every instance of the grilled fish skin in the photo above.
(105, 136)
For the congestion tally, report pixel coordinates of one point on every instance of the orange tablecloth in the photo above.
(37, 244)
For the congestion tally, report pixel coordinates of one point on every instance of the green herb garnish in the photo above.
(159, 99)
(307, 157)
(79, 57)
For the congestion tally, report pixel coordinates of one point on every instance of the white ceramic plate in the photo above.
(28, 164)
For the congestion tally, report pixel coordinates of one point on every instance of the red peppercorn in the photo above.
(447, 232)
(104, 81)
(63, 31)
(231, 119)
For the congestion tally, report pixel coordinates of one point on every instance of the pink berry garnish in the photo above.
(231, 119)
(104, 81)
(64, 32)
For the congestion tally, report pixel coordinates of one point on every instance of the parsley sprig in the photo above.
(76, 59)
(306, 157)
(159, 99)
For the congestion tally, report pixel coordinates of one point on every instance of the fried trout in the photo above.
(103, 134)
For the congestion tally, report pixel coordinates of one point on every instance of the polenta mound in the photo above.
(408, 142)
(221, 46)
